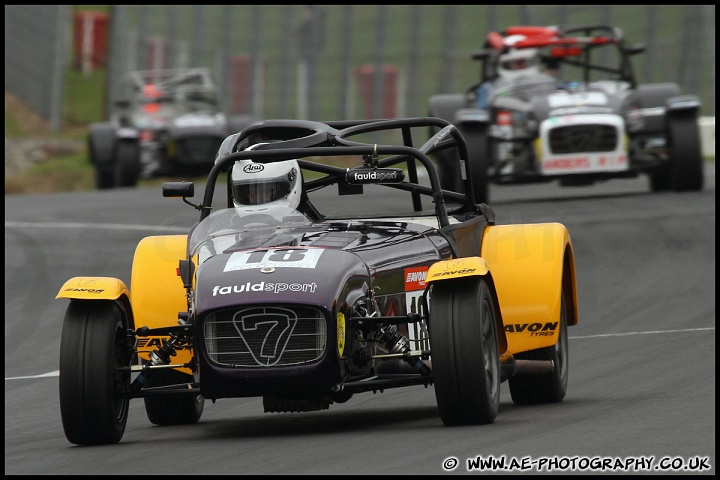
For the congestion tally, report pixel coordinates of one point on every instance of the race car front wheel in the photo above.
(127, 163)
(93, 349)
(534, 389)
(465, 352)
(123, 171)
(685, 152)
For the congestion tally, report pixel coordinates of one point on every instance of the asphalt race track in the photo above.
(642, 359)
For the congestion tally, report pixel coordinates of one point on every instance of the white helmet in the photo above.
(266, 184)
(517, 62)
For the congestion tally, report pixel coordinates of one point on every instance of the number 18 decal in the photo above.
(274, 257)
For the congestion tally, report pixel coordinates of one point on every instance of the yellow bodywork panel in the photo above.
(158, 294)
(455, 268)
(527, 262)
(93, 288)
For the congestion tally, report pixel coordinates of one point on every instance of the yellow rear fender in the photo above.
(532, 265)
(158, 294)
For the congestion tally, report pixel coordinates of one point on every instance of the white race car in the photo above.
(564, 104)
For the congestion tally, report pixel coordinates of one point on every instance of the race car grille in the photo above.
(583, 138)
(264, 336)
(197, 151)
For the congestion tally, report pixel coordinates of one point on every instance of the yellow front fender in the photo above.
(93, 288)
(455, 268)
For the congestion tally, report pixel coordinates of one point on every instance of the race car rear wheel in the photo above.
(534, 389)
(465, 353)
(444, 106)
(173, 409)
(93, 349)
(476, 138)
(685, 152)
(447, 162)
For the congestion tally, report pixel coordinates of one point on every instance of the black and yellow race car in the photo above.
(327, 261)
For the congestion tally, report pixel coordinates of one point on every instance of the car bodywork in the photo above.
(583, 118)
(167, 122)
(378, 279)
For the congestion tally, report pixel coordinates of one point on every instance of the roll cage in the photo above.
(573, 45)
(304, 140)
(174, 86)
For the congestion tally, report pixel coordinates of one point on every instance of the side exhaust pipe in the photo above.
(513, 367)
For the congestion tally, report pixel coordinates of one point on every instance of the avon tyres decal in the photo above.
(415, 278)
(274, 257)
(534, 329)
(150, 342)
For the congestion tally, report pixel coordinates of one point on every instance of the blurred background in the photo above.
(320, 62)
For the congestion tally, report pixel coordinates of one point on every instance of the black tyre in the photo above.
(104, 179)
(476, 139)
(447, 166)
(101, 141)
(534, 389)
(465, 353)
(127, 163)
(173, 409)
(661, 178)
(93, 348)
(685, 152)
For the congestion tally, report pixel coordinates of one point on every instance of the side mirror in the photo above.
(178, 189)
(634, 49)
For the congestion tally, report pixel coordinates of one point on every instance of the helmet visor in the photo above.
(261, 190)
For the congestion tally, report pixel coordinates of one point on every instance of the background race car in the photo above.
(168, 122)
(557, 103)
(331, 264)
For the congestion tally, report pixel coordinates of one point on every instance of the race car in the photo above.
(331, 265)
(167, 122)
(563, 103)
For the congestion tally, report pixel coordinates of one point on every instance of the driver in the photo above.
(255, 187)
(517, 62)
(151, 98)
(278, 183)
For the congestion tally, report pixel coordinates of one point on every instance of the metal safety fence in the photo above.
(327, 62)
